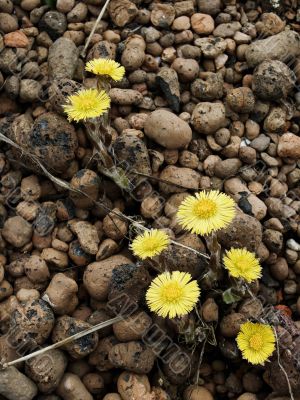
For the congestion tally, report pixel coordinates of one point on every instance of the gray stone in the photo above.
(62, 59)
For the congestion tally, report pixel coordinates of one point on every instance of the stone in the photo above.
(272, 80)
(275, 122)
(208, 89)
(35, 321)
(17, 231)
(59, 91)
(180, 179)
(62, 59)
(203, 24)
(162, 15)
(187, 69)
(53, 139)
(207, 117)
(289, 146)
(168, 130)
(16, 39)
(227, 168)
(14, 385)
(54, 23)
(244, 231)
(227, 30)
(211, 7)
(167, 79)
(87, 235)
(30, 90)
(97, 276)
(283, 46)
(125, 96)
(270, 24)
(246, 200)
(122, 11)
(8, 23)
(241, 100)
(211, 47)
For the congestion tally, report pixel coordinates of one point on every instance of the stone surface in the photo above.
(62, 59)
(167, 129)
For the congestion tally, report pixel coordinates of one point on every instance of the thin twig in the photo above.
(83, 53)
(281, 366)
(65, 341)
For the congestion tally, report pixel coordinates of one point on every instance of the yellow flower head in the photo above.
(87, 103)
(206, 212)
(103, 66)
(150, 243)
(172, 294)
(241, 263)
(256, 342)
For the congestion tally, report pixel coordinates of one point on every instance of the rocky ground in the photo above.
(210, 101)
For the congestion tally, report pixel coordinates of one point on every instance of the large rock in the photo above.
(207, 117)
(168, 130)
(284, 46)
(62, 59)
(244, 231)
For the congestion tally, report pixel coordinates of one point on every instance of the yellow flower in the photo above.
(206, 212)
(87, 103)
(241, 263)
(256, 342)
(172, 294)
(150, 243)
(102, 66)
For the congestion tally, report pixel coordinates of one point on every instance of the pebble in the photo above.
(227, 30)
(35, 320)
(207, 117)
(167, 79)
(56, 258)
(65, 6)
(246, 200)
(203, 24)
(244, 231)
(185, 178)
(16, 39)
(30, 90)
(227, 168)
(293, 245)
(87, 235)
(97, 276)
(54, 23)
(187, 69)
(289, 146)
(162, 15)
(8, 23)
(168, 130)
(122, 11)
(62, 59)
(25, 389)
(17, 231)
(260, 143)
(272, 80)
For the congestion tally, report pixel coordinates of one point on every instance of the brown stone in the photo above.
(16, 39)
